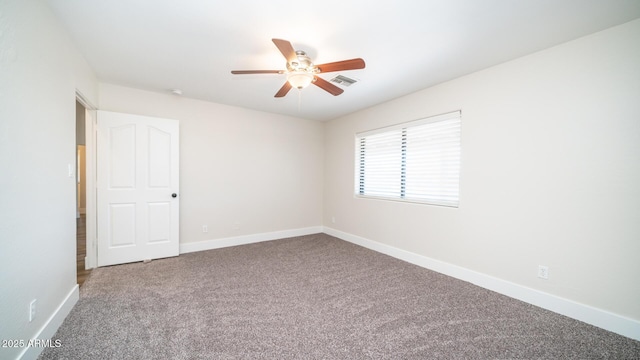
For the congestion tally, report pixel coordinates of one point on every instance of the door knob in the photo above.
(174, 195)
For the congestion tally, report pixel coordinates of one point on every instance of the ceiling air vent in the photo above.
(343, 80)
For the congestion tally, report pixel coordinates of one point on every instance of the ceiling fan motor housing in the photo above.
(304, 63)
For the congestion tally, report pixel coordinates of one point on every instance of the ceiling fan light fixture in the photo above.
(299, 79)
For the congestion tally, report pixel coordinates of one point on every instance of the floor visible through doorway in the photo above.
(81, 244)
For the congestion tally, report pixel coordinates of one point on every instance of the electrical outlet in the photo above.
(543, 272)
(205, 228)
(333, 219)
(236, 225)
(32, 310)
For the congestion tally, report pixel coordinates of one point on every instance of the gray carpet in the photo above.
(311, 297)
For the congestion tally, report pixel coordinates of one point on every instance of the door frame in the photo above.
(90, 120)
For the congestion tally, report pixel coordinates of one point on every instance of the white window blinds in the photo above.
(417, 161)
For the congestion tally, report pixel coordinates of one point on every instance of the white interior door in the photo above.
(137, 183)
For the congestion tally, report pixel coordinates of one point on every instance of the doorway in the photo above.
(81, 195)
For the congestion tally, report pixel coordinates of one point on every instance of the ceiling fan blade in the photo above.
(244, 72)
(351, 64)
(286, 49)
(327, 86)
(283, 90)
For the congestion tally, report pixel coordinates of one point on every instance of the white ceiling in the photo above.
(193, 45)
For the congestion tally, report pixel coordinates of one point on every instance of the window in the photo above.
(418, 161)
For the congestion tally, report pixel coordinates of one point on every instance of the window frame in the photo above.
(402, 155)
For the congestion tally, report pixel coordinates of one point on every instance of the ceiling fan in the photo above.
(301, 71)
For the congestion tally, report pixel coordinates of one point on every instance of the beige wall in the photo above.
(80, 124)
(39, 73)
(242, 172)
(550, 173)
(81, 191)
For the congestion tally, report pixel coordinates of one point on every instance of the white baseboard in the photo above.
(246, 239)
(601, 318)
(52, 324)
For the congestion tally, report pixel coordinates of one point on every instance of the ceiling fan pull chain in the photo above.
(299, 100)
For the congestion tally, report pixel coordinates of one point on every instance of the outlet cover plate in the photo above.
(543, 272)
